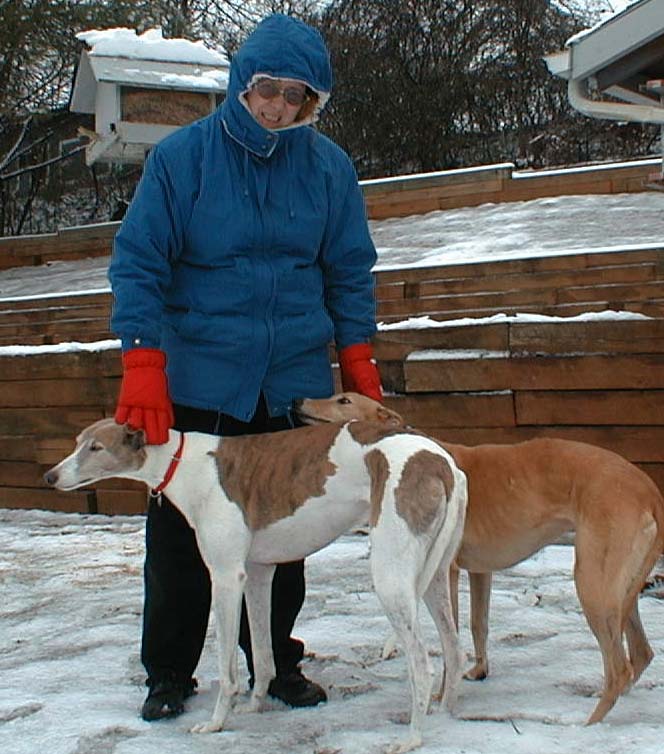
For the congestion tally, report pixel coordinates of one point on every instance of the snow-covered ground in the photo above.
(71, 680)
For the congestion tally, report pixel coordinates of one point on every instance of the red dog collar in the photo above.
(170, 471)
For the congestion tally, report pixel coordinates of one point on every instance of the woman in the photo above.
(244, 252)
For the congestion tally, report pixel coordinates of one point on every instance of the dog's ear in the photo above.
(389, 417)
(134, 438)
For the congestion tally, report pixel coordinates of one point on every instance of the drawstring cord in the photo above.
(246, 172)
(291, 179)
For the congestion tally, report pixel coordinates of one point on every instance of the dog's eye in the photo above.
(344, 400)
(94, 445)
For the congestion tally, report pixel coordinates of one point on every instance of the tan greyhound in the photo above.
(524, 496)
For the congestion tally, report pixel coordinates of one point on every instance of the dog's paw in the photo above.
(413, 742)
(209, 727)
(389, 648)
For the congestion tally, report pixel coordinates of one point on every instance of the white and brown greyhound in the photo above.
(264, 499)
(524, 496)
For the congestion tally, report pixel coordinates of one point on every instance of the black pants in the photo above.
(177, 582)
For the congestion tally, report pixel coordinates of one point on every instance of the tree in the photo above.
(426, 85)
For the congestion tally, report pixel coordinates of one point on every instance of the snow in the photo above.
(68, 347)
(72, 682)
(425, 322)
(616, 8)
(151, 45)
(552, 225)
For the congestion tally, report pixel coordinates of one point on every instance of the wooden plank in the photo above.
(122, 502)
(121, 484)
(426, 191)
(637, 444)
(17, 448)
(391, 376)
(70, 364)
(379, 211)
(398, 343)
(455, 409)
(656, 472)
(538, 188)
(379, 203)
(389, 292)
(619, 336)
(471, 200)
(574, 261)
(497, 301)
(51, 450)
(611, 372)
(53, 422)
(447, 178)
(557, 279)
(83, 299)
(611, 296)
(52, 316)
(62, 392)
(611, 407)
(613, 292)
(21, 474)
(653, 309)
(89, 336)
(50, 500)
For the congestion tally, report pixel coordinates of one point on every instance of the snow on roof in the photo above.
(619, 6)
(151, 45)
(162, 74)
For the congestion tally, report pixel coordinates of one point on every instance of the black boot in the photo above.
(296, 690)
(166, 698)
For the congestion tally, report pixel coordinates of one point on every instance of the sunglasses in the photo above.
(269, 89)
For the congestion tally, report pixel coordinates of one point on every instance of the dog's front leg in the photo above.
(227, 590)
(258, 594)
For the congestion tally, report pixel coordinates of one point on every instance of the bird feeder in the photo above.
(141, 88)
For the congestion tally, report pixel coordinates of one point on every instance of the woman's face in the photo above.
(275, 103)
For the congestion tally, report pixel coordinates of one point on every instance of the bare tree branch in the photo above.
(40, 165)
(10, 156)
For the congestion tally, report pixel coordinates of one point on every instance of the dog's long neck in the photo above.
(158, 460)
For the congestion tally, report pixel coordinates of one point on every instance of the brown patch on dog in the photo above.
(379, 470)
(368, 433)
(425, 479)
(271, 475)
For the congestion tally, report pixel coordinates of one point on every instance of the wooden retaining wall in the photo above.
(597, 381)
(561, 285)
(385, 197)
(501, 380)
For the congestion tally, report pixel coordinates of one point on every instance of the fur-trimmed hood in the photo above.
(280, 47)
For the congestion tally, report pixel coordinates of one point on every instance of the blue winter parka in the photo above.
(246, 251)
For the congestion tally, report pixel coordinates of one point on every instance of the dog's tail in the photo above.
(447, 539)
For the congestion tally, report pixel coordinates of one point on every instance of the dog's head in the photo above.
(103, 450)
(345, 407)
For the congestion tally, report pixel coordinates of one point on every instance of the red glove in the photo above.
(359, 373)
(144, 402)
